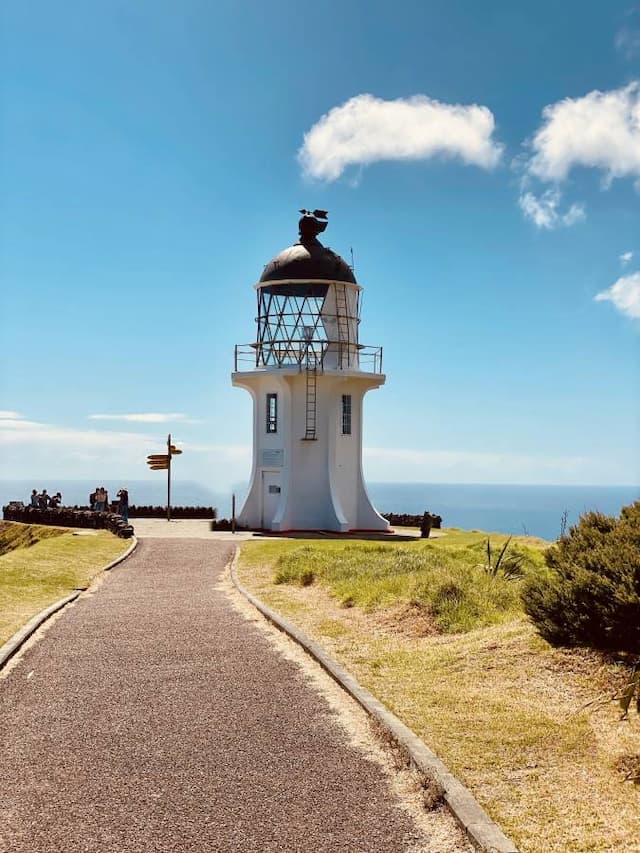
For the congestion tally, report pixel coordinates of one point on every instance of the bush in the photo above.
(590, 595)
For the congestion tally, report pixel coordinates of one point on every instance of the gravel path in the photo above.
(153, 716)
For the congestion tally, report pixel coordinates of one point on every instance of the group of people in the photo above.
(42, 500)
(99, 501)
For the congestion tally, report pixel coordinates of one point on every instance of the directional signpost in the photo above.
(162, 462)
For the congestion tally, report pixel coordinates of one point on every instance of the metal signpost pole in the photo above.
(169, 477)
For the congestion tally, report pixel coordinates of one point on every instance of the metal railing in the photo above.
(295, 353)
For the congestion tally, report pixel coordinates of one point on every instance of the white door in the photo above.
(270, 497)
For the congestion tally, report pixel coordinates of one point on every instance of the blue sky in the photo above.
(154, 157)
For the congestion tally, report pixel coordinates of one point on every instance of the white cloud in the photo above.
(626, 258)
(625, 295)
(366, 129)
(4, 415)
(144, 417)
(544, 211)
(600, 130)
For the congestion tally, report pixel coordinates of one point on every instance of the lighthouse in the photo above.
(307, 374)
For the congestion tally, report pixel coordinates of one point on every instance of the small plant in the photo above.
(630, 694)
(564, 519)
(509, 564)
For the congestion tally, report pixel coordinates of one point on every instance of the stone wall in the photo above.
(406, 520)
(69, 517)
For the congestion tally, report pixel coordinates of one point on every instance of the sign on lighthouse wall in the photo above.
(307, 373)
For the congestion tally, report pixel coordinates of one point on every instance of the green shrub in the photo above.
(590, 595)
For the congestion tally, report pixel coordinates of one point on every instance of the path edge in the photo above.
(13, 644)
(483, 832)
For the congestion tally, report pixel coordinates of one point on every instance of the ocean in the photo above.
(535, 510)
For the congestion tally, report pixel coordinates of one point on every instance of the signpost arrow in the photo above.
(162, 462)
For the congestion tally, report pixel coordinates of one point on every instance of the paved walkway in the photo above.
(153, 716)
(198, 528)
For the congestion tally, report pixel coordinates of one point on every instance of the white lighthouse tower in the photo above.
(307, 373)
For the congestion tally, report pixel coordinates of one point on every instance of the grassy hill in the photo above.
(39, 565)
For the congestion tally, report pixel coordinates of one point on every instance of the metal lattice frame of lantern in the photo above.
(317, 322)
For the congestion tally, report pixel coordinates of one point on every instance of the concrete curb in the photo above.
(483, 833)
(13, 644)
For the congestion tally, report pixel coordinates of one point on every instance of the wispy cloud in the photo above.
(145, 417)
(544, 210)
(366, 129)
(4, 415)
(408, 465)
(626, 258)
(627, 39)
(30, 448)
(23, 431)
(624, 294)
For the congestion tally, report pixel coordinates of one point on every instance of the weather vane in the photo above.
(310, 225)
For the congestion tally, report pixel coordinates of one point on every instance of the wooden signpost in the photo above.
(162, 462)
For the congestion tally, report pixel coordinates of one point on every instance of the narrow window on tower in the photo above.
(272, 413)
(346, 414)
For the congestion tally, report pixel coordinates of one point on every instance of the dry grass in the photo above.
(519, 722)
(33, 576)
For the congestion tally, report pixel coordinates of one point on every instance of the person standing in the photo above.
(34, 498)
(123, 504)
(43, 499)
(101, 497)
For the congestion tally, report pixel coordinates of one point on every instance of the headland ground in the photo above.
(160, 711)
(441, 639)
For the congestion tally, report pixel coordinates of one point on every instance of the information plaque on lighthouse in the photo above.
(307, 373)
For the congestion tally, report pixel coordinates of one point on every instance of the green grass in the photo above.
(14, 535)
(447, 577)
(45, 564)
(513, 717)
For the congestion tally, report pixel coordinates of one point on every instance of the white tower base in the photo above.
(308, 484)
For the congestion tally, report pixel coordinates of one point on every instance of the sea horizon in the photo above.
(531, 509)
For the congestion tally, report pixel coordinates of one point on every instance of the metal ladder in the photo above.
(343, 325)
(311, 370)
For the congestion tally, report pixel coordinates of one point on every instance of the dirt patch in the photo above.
(629, 768)
(404, 620)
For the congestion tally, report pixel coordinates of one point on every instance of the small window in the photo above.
(272, 413)
(346, 414)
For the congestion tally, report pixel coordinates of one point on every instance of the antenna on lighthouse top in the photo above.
(353, 266)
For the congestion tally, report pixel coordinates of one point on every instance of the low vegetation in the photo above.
(436, 629)
(39, 565)
(23, 535)
(456, 581)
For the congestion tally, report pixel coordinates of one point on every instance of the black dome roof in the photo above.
(308, 261)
